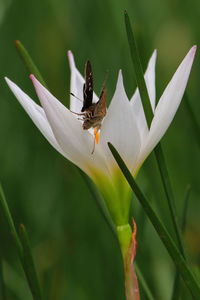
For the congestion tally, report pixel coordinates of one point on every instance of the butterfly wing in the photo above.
(100, 108)
(87, 87)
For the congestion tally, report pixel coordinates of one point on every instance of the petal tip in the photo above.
(69, 53)
(155, 52)
(32, 77)
(194, 48)
(71, 59)
(8, 81)
(120, 77)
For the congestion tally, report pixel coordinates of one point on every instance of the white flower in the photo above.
(124, 126)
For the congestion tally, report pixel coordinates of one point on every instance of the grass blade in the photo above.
(9, 219)
(28, 62)
(2, 284)
(176, 286)
(29, 263)
(149, 115)
(185, 208)
(143, 283)
(22, 254)
(138, 71)
(169, 194)
(169, 244)
(193, 118)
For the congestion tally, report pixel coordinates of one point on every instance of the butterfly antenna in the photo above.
(76, 97)
(104, 84)
(106, 77)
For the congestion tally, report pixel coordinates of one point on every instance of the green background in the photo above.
(76, 255)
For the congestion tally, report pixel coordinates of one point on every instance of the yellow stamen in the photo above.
(96, 134)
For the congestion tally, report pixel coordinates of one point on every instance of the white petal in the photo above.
(36, 113)
(75, 142)
(136, 100)
(168, 104)
(119, 127)
(76, 86)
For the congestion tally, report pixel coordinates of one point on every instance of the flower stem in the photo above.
(165, 237)
(99, 201)
(131, 281)
(124, 234)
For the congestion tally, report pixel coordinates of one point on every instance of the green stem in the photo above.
(99, 201)
(169, 244)
(124, 234)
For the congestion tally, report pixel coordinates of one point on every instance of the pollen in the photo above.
(96, 134)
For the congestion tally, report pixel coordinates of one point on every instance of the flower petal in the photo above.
(75, 142)
(119, 127)
(76, 86)
(168, 104)
(136, 100)
(36, 113)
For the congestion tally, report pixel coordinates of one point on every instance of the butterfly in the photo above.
(92, 113)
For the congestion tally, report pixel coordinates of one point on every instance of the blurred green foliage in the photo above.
(76, 255)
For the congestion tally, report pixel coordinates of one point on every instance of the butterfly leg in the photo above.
(78, 114)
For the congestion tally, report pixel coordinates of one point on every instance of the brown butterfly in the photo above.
(92, 113)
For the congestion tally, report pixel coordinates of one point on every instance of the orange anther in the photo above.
(96, 134)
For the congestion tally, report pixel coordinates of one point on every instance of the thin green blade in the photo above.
(169, 244)
(28, 62)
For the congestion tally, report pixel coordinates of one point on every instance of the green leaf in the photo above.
(176, 285)
(9, 219)
(138, 72)
(2, 283)
(29, 264)
(21, 248)
(169, 244)
(185, 208)
(149, 115)
(143, 283)
(28, 62)
(169, 194)
(193, 118)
